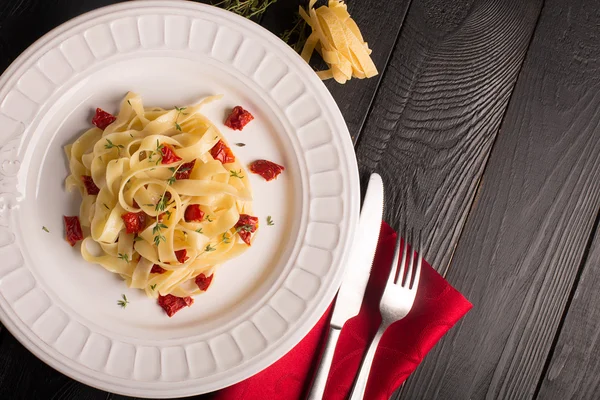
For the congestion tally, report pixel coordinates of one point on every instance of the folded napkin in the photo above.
(437, 308)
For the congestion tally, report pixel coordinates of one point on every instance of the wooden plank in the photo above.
(525, 238)
(380, 22)
(574, 369)
(439, 109)
(23, 376)
(23, 22)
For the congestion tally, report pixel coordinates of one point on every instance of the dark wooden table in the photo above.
(485, 120)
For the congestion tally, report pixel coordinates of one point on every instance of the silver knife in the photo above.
(356, 276)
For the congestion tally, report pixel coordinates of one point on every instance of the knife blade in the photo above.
(356, 276)
(358, 270)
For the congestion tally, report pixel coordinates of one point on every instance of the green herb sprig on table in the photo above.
(246, 8)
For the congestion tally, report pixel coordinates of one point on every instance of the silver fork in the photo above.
(397, 300)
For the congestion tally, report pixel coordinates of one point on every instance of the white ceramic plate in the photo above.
(260, 305)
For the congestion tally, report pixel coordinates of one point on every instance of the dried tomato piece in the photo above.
(73, 230)
(134, 222)
(193, 213)
(222, 152)
(203, 281)
(171, 304)
(238, 118)
(102, 119)
(90, 186)
(267, 169)
(181, 255)
(246, 225)
(185, 170)
(157, 269)
(168, 155)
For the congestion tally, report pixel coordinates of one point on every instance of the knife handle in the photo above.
(318, 387)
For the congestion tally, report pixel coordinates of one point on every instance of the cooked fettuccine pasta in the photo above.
(165, 200)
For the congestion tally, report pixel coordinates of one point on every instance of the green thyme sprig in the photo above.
(123, 302)
(246, 8)
(179, 113)
(158, 152)
(236, 174)
(110, 145)
(270, 221)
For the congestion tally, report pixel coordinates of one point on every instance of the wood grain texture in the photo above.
(574, 369)
(380, 22)
(525, 238)
(23, 376)
(439, 108)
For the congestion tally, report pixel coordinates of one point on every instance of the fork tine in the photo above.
(406, 282)
(403, 237)
(419, 248)
(394, 270)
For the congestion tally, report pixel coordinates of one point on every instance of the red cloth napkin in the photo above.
(437, 308)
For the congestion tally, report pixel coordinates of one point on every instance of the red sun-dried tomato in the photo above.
(238, 118)
(246, 225)
(203, 281)
(73, 230)
(90, 186)
(185, 170)
(135, 204)
(134, 222)
(102, 119)
(267, 169)
(193, 213)
(222, 152)
(168, 155)
(171, 304)
(157, 269)
(181, 255)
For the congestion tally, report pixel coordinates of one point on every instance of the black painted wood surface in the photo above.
(526, 237)
(485, 118)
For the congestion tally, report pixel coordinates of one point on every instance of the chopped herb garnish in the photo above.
(199, 230)
(105, 206)
(162, 203)
(270, 221)
(137, 238)
(124, 257)
(171, 180)
(158, 239)
(123, 303)
(168, 213)
(128, 102)
(110, 145)
(158, 227)
(245, 228)
(45, 229)
(153, 286)
(208, 218)
(209, 248)
(240, 144)
(236, 174)
(225, 238)
(179, 112)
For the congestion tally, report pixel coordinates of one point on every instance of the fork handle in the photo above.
(360, 385)
(318, 387)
